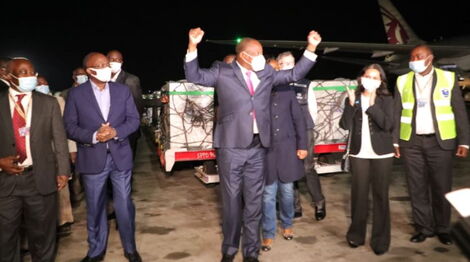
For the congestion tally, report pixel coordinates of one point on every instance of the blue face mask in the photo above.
(43, 89)
(26, 84)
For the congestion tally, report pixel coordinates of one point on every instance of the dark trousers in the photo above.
(241, 176)
(368, 173)
(40, 217)
(311, 176)
(429, 176)
(96, 199)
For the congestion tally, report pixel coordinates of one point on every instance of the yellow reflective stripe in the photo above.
(444, 117)
(405, 119)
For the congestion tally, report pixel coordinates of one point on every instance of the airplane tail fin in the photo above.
(397, 29)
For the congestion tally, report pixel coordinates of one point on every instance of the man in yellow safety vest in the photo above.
(431, 126)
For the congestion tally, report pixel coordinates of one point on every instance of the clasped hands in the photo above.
(105, 133)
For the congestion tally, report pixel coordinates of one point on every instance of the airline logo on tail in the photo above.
(396, 33)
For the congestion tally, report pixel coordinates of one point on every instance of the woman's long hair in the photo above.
(382, 90)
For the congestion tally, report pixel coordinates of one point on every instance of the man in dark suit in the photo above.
(33, 164)
(133, 82)
(243, 132)
(431, 126)
(99, 116)
(4, 84)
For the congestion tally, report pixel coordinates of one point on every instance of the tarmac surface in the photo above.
(178, 219)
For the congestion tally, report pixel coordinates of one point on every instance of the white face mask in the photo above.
(257, 63)
(81, 79)
(102, 74)
(370, 84)
(43, 89)
(115, 67)
(26, 84)
(418, 66)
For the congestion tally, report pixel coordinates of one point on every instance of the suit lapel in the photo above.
(6, 124)
(91, 97)
(238, 73)
(36, 113)
(112, 97)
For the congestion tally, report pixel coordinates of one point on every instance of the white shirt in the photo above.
(312, 104)
(366, 150)
(27, 103)
(423, 87)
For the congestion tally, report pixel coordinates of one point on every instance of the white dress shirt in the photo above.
(423, 87)
(27, 103)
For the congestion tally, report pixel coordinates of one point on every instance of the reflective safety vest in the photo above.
(441, 99)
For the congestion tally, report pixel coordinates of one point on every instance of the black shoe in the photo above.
(445, 238)
(227, 258)
(379, 252)
(92, 259)
(419, 237)
(250, 259)
(320, 211)
(112, 216)
(64, 230)
(133, 257)
(353, 244)
(24, 252)
(297, 214)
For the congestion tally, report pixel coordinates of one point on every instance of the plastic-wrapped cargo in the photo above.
(330, 96)
(188, 117)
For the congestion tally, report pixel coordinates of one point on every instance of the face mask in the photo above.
(26, 84)
(102, 74)
(115, 67)
(418, 66)
(257, 63)
(370, 84)
(43, 89)
(81, 79)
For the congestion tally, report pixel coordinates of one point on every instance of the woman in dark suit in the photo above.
(368, 115)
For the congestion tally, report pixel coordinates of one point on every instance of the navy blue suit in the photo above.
(240, 154)
(100, 161)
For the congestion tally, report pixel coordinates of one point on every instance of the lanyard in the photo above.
(20, 111)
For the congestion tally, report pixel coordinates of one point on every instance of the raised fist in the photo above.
(195, 35)
(314, 38)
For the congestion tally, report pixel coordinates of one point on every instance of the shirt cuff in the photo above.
(310, 55)
(395, 145)
(466, 146)
(190, 56)
(95, 141)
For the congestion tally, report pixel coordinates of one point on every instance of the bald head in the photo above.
(248, 44)
(93, 59)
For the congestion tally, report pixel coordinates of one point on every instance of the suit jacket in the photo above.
(83, 117)
(3, 85)
(234, 128)
(460, 116)
(133, 82)
(301, 92)
(381, 124)
(289, 133)
(48, 143)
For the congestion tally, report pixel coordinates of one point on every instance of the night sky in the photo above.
(56, 36)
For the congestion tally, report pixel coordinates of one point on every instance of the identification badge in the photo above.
(24, 131)
(421, 103)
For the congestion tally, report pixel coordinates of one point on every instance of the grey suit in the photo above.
(32, 194)
(240, 154)
(428, 163)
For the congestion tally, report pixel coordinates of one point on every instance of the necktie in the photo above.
(19, 124)
(249, 83)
